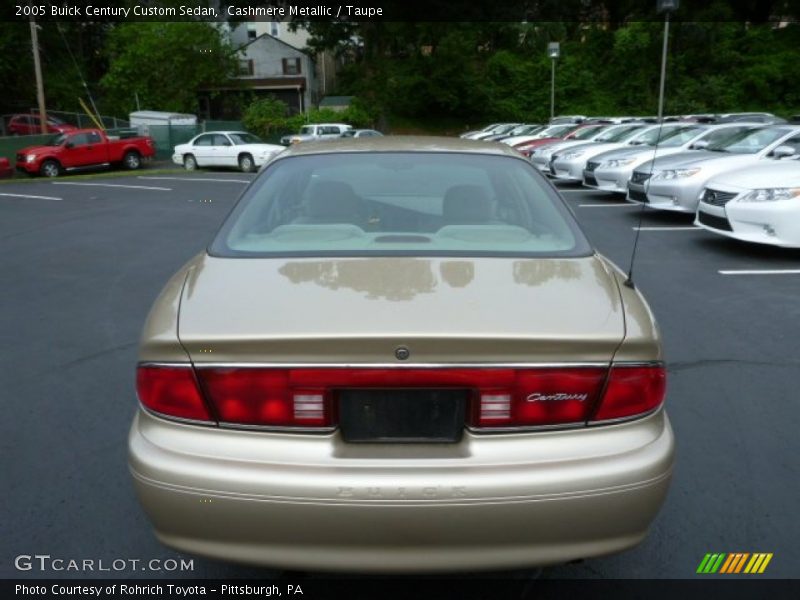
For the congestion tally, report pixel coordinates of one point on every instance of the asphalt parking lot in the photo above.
(82, 261)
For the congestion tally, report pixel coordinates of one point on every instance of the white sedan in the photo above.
(758, 204)
(225, 149)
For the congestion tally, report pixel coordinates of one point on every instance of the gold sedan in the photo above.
(400, 354)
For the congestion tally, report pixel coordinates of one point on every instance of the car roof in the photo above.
(402, 143)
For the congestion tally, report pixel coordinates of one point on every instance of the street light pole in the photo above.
(663, 69)
(553, 51)
(665, 6)
(37, 68)
(553, 89)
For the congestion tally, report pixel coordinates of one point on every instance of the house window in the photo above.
(245, 66)
(251, 32)
(274, 29)
(291, 66)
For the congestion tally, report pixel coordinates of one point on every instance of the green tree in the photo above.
(266, 116)
(165, 64)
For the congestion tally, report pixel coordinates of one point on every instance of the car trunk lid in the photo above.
(361, 310)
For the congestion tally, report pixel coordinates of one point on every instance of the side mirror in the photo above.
(701, 145)
(69, 145)
(783, 151)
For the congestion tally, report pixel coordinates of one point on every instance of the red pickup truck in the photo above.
(84, 148)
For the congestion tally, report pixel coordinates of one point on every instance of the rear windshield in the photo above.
(399, 203)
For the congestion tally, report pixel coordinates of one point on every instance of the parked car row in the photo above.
(739, 178)
(738, 173)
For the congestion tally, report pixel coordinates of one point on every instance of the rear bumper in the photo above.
(315, 502)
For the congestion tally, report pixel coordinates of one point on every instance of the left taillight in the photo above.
(266, 398)
(171, 391)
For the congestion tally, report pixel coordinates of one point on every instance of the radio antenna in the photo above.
(643, 205)
(665, 6)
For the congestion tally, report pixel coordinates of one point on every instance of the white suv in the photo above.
(320, 131)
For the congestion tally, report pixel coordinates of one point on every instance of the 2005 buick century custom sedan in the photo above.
(400, 354)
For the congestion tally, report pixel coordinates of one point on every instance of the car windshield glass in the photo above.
(504, 129)
(57, 140)
(618, 134)
(244, 138)
(749, 142)
(307, 130)
(651, 135)
(587, 132)
(559, 130)
(54, 121)
(399, 203)
(679, 137)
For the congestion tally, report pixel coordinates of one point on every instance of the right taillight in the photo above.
(632, 391)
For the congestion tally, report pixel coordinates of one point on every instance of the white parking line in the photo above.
(761, 272)
(610, 204)
(667, 228)
(197, 179)
(29, 196)
(114, 185)
(563, 191)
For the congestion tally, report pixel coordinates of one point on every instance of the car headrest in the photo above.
(332, 200)
(467, 204)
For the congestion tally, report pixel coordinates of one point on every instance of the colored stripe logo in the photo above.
(734, 563)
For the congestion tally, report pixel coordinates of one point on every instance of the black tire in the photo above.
(246, 163)
(132, 160)
(50, 168)
(189, 162)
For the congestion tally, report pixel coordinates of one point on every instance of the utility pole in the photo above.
(37, 67)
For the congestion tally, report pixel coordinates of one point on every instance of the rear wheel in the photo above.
(132, 160)
(246, 163)
(50, 168)
(189, 163)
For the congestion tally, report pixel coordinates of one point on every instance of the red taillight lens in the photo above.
(171, 391)
(501, 397)
(632, 391)
(266, 397)
(539, 397)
